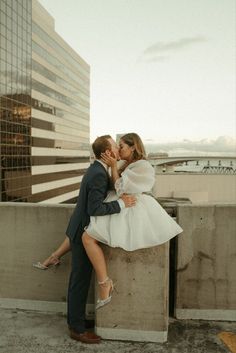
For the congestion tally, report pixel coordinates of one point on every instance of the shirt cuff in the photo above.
(121, 203)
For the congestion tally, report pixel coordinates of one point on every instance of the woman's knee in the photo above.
(86, 239)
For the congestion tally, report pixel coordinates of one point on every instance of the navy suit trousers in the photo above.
(78, 285)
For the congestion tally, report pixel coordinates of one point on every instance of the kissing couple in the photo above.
(113, 208)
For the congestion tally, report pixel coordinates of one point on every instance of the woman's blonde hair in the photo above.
(133, 140)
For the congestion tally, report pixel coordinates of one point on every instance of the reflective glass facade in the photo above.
(15, 99)
(44, 108)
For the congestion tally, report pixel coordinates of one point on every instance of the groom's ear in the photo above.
(108, 153)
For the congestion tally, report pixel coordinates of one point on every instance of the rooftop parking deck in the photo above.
(33, 332)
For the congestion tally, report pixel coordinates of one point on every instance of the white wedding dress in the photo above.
(144, 225)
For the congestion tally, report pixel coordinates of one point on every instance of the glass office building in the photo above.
(44, 108)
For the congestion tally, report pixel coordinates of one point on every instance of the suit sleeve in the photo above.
(97, 194)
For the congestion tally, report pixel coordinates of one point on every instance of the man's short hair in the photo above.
(100, 145)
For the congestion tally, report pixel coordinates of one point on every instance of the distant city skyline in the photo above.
(222, 146)
(164, 70)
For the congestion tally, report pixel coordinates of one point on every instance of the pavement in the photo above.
(24, 331)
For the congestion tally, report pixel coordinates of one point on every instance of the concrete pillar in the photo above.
(139, 307)
(206, 262)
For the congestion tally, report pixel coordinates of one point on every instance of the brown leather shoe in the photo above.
(85, 337)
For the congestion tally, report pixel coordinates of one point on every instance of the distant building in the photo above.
(154, 155)
(44, 108)
(199, 179)
(118, 136)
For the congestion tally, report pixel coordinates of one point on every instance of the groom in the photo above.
(93, 191)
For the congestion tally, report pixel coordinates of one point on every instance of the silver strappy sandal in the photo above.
(105, 283)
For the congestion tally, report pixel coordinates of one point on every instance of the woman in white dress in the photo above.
(144, 225)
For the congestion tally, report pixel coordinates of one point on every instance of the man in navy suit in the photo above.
(93, 191)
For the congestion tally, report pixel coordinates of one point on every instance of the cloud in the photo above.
(223, 145)
(158, 51)
(174, 45)
(157, 58)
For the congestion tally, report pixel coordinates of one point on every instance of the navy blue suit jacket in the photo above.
(93, 190)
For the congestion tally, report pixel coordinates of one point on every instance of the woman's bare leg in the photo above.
(63, 248)
(98, 261)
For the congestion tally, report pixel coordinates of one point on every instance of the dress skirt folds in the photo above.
(144, 225)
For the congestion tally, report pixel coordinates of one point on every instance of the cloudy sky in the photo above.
(164, 69)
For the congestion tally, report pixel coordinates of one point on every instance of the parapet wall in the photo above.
(206, 260)
(206, 263)
(199, 188)
(29, 233)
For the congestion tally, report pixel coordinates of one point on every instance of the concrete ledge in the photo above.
(36, 305)
(221, 315)
(39, 305)
(132, 335)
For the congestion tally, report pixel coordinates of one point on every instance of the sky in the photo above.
(162, 68)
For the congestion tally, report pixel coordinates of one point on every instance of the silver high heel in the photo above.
(53, 261)
(105, 283)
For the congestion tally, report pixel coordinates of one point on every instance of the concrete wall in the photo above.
(206, 262)
(213, 188)
(29, 233)
(206, 281)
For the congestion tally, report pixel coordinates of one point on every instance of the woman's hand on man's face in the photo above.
(109, 160)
